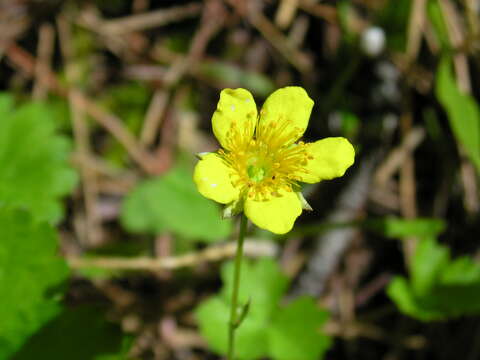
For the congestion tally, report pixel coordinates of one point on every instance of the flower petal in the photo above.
(212, 177)
(331, 158)
(277, 214)
(288, 108)
(236, 107)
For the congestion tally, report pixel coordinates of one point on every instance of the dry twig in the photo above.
(150, 19)
(211, 254)
(91, 226)
(46, 42)
(110, 122)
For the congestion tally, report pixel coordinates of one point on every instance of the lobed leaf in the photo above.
(35, 171)
(167, 202)
(290, 332)
(439, 287)
(31, 278)
(462, 110)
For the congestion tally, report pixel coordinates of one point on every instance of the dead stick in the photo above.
(110, 122)
(213, 253)
(46, 39)
(81, 135)
(150, 20)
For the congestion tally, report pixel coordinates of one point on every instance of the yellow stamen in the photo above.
(265, 161)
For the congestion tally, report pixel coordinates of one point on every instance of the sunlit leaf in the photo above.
(439, 287)
(172, 203)
(281, 332)
(35, 172)
(462, 110)
(394, 227)
(296, 333)
(435, 16)
(263, 285)
(233, 76)
(213, 317)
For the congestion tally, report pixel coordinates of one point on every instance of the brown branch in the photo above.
(457, 37)
(211, 254)
(279, 41)
(153, 117)
(407, 187)
(150, 19)
(415, 29)
(22, 59)
(285, 13)
(398, 155)
(323, 11)
(46, 42)
(81, 133)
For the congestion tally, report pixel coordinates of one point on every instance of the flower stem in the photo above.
(233, 325)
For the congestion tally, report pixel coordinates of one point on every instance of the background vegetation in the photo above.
(107, 251)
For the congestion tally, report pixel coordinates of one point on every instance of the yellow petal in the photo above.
(236, 108)
(289, 109)
(212, 178)
(331, 158)
(277, 214)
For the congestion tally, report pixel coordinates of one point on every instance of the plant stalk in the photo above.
(233, 325)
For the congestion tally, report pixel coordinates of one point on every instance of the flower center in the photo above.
(256, 173)
(266, 163)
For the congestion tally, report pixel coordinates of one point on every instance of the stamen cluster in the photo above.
(265, 161)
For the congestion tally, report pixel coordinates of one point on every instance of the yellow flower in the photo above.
(261, 165)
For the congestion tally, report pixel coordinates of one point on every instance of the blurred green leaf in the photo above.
(213, 317)
(344, 15)
(462, 111)
(394, 18)
(70, 335)
(400, 292)
(439, 287)
(291, 332)
(393, 227)
(172, 203)
(263, 284)
(435, 16)
(233, 76)
(31, 278)
(427, 264)
(35, 171)
(129, 100)
(295, 332)
(350, 124)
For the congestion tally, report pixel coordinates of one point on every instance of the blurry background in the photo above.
(105, 104)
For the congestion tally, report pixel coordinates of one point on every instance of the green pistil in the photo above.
(256, 173)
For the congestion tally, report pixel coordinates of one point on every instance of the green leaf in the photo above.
(462, 110)
(435, 16)
(213, 317)
(172, 203)
(31, 278)
(69, 336)
(266, 324)
(35, 171)
(439, 287)
(394, 18)
(295, 333)
(393, 227)
(262, 283)
(234, 76)
(400, 291)
(427, 265)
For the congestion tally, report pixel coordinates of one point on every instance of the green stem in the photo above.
(232, 326)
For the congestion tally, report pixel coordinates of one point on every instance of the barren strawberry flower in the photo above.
(261, 164)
